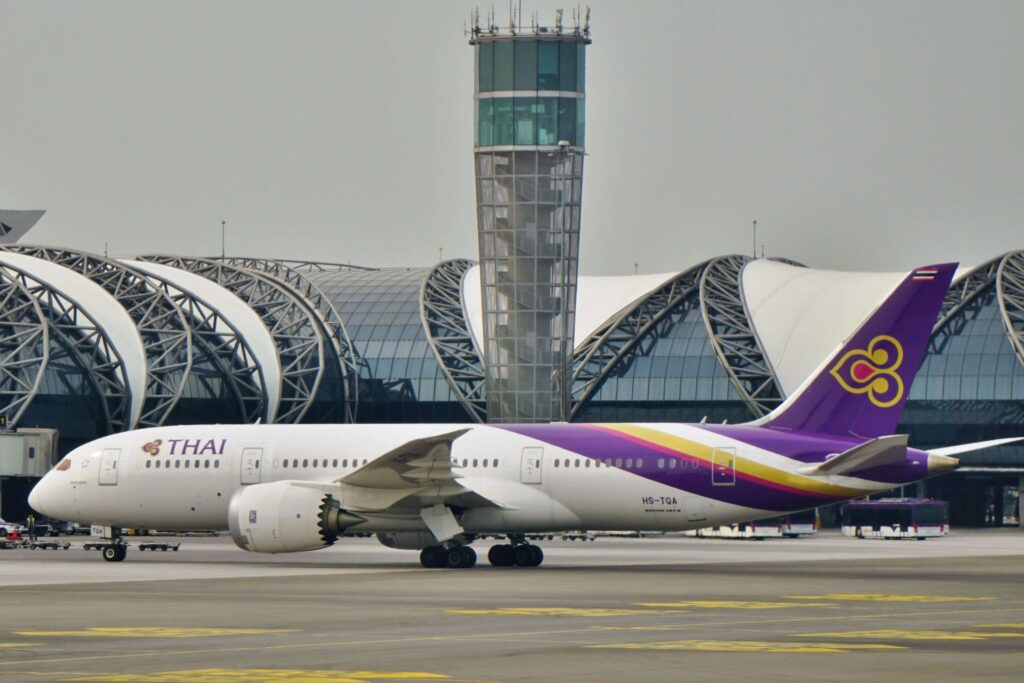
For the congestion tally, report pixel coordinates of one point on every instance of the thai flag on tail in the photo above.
(925, 274)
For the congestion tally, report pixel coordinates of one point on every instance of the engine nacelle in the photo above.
(407, 540)
(284, 517)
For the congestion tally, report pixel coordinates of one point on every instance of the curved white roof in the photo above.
(598, 298)
(802, 314)
(232, 308)
(108, 313)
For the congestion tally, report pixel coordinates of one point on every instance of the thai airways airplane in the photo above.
(437, 488)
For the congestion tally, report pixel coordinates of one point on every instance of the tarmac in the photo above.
(617, 609)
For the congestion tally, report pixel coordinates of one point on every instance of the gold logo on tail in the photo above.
(872, 371)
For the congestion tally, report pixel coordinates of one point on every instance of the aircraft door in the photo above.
(108, 466)
(252, 463)
(531, 464)
(723, 467)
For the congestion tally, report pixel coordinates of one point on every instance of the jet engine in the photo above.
(285, 517)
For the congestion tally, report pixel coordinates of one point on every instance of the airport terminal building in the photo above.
(92, 345)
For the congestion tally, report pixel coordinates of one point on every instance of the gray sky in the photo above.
(861, 135)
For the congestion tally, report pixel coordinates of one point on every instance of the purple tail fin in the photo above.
(860, 390)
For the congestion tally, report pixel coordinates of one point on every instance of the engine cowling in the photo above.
(285, 517)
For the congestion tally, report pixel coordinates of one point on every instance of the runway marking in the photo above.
(749, 646)
(562, 612)
(153, 632)
(882, 597)
(905, 634)
(264, 676)
(735, 604)
(1019, 624)
(9, 646)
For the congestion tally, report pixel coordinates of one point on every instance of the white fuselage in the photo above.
(184, 477)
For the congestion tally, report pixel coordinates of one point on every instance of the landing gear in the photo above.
(520, 555)
(455, 557)
(115, 552)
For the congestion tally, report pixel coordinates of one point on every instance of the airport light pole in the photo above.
(222, 224)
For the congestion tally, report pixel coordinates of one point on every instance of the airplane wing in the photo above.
(417, 474)
(884, 450)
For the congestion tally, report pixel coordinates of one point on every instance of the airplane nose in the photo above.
(35, 497)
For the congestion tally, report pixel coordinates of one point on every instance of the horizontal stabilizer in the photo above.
(885, 450)
(976, 446)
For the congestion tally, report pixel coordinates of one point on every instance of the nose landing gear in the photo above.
(115, 552)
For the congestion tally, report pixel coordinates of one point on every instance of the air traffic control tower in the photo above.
(528, 149)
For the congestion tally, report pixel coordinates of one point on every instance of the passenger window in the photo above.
(335, 463)
(577, 464)
(608, 462)
(149, 464)
(344, 463)
(557, 461)
(216, 463)
(295, 462)
(586, 463)
(206, 464)
(158, 464)
(639, 463)
(197, 464)
(629, 463)
(305, 462)
(364, 461)
(618, 462)
(285, 464)
(494, 462)
(177, 464)
(672, 463)
(661, 463)
(186, 464)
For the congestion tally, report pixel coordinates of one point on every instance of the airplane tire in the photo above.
(501, 556)
(455, 558)
(115, 553)
(431, 557)
(528, 556)
(468, 557)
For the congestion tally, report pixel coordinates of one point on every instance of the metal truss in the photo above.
(451, 340)
(1010, 286)
(165, 334)
(24, 349)
(291, 273)
(298, 336)
(630, 333)
(733, 336)
(83, 348)
(219, 345)
(964, 298)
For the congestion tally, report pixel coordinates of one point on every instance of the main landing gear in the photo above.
(520, 555)
(455, 557)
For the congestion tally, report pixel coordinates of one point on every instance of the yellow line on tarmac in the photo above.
(907, 634)
(504, 636)
(882, 597)
(748, 646)
(735, 604)
(9, 646)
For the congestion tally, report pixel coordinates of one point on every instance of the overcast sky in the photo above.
(860, 135)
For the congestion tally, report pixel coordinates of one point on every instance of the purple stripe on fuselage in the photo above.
(601, 443)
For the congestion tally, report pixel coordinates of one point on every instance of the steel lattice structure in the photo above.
(221, 345)
(83, 348)
(24, 348)
(629, 332)
(165, 334)
(965, 296)
(348, 359)
(1010, 285)
(450, 338)
(298, 336)
(733, 337)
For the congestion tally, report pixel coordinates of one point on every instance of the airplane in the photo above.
(437, 488)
